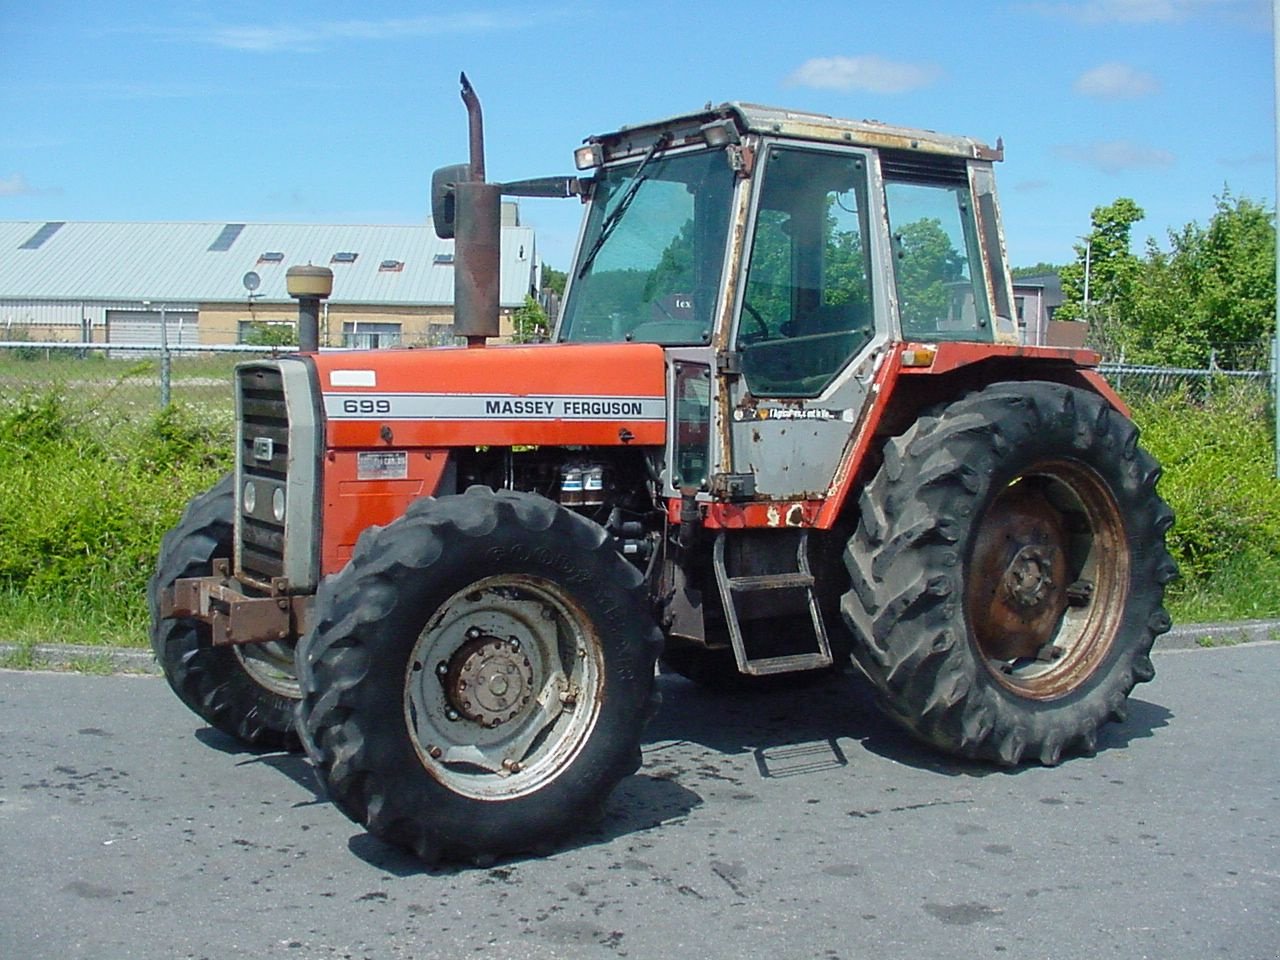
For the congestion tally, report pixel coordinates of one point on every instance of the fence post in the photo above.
(1275, 394)
(165, 360)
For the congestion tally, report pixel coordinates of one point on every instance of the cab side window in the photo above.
(937, 263)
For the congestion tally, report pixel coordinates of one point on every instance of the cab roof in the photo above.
(775, 121)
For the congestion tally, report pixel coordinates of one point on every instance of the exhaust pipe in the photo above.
(478, 238)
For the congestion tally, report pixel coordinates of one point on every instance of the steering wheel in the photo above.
(763, 329)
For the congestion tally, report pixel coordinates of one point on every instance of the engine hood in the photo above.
(558, 394)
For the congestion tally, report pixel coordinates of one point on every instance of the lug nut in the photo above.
(451, 714)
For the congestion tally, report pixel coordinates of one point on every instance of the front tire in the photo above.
(247, 692)
(478, 676)
(1008, 572)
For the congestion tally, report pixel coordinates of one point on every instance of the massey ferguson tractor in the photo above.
(785, 421)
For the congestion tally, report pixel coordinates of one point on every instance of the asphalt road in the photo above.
(796, 824)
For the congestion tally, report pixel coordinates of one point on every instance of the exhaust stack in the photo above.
(478, 238)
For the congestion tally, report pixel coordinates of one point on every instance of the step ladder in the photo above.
(734, 587)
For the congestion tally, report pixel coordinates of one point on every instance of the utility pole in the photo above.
(1088, 259)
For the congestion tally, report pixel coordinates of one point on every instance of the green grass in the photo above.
(85, 618)
(1244, 588)
(1210, 642)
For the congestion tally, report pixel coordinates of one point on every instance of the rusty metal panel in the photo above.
(232, 616)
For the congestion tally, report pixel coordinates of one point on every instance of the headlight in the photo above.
(249, 498)
(277, 504)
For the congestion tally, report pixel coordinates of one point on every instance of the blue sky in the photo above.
(337, 112)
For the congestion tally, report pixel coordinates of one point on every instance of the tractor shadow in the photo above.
(700, 738)
(293, 766)
(805, 725)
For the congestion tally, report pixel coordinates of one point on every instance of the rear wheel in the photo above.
(246, 691)
(478, 677)
(1008, 572)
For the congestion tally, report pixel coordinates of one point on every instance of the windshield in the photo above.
(652, 252)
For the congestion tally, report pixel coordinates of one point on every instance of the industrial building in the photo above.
(224, 283)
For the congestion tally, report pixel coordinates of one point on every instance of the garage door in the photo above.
(143, 326)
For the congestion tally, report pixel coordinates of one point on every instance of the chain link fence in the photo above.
(112, 388)
(1247, 369)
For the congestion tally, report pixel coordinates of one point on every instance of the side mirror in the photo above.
(443, 206)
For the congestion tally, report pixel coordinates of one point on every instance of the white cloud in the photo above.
(1115, 81)
(870, 73)
(15, 185)
(1116, 156)
(306, 37)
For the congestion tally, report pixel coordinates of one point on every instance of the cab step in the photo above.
(734, 589)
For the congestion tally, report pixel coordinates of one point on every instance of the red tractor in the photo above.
(785, 420)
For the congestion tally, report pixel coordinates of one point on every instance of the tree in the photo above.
(263, 334)
(1106, 265)
(553, 280)
(529, 322)
(1036, 270)
(1212, 294)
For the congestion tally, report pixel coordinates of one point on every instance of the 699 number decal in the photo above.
(366, 405)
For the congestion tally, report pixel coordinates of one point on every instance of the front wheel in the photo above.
(478, 676)
(248, 692)
(1008, 572)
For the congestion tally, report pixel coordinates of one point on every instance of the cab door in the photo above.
(810, 315)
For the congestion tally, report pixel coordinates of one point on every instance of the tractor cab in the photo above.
(777, 255)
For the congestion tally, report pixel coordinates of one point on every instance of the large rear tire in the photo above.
(1008, 572)
(478, 676)
(248, 692)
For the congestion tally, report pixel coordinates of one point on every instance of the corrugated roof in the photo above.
(180, 262)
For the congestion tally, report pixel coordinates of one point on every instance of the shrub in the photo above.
(34, 422)
(82, 524)
(1219, 476)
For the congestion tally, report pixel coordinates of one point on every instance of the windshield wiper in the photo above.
(615, 215)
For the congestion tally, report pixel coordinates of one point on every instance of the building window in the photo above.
(344, 257)
(370, 336)
(391, 266)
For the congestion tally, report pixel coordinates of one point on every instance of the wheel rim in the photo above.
(1048, 578)
(503, 687)
(271, 666)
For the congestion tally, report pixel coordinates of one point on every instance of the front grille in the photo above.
(264, 463)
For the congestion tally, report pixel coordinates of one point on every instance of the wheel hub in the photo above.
(1028, 582)
(1018, 591)
(489, 680)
